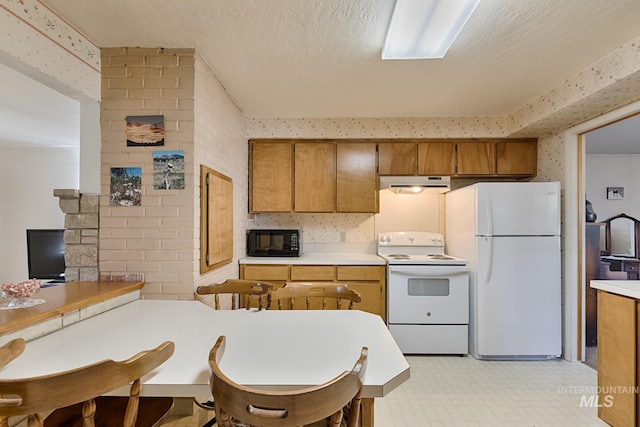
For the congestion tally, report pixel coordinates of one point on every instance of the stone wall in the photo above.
(81, 225)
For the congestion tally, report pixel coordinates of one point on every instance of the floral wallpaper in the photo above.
(323, 227)
(607, 84)
(446, 127)
(35, 35)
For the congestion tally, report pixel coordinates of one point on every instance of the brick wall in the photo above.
(154, 239)
(160, 238)
(221, 144)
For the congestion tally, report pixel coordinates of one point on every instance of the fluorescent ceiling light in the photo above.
(422, 29)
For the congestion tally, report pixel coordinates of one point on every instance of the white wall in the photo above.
(613, 170)
(28, 178)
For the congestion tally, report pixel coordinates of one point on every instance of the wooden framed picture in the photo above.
(615, 193)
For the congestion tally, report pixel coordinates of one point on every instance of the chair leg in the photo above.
(209, 406)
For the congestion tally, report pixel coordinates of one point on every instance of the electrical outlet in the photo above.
(343, 236)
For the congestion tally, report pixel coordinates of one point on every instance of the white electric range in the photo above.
(427, 293)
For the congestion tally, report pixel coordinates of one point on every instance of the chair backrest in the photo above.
(31, 396)
(252, 290)
(11, 350)
(285, 408)
(318, 295)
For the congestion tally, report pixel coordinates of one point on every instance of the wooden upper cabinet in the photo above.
(514, 158)
(476, 158)
(517, 158)
(356, 179)
(315, 173)
(397, 158)
(437, 158)
(292, 175)
(271, 177)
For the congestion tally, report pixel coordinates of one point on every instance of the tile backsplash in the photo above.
(419, 212)
(323, 227)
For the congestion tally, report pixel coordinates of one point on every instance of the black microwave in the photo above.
(274, 243)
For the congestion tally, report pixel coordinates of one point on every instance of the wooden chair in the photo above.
(247, 292)
(237, 403)
(11, 350)
(73, 395)
(330, 295)
(248, 289)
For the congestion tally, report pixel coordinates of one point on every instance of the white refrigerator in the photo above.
(510, 234)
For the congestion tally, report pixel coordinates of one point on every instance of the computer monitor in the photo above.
(45, 254)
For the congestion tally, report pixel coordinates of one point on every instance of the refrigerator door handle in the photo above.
(488, 259)
(486, 228)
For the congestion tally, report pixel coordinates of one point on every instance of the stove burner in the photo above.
(399, 256)
(439, 256)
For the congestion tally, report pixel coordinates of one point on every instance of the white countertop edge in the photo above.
(318, 259)
(627, 288)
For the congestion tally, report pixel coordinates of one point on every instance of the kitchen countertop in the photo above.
(627, 288)
(63, 299)
(335, 258)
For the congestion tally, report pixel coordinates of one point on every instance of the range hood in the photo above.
(414, 184)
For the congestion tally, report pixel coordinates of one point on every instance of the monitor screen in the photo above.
(45, 249)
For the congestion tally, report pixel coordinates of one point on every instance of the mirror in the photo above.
(621, 236)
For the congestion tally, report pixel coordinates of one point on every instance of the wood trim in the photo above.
(216, 219)
(581, 247)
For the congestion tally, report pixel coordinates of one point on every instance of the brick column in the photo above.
(81, 224)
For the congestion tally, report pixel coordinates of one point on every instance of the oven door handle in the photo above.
(430, 271)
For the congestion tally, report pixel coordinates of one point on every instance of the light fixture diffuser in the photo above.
(424, 29)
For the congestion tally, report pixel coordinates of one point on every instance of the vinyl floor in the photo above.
(463, 391)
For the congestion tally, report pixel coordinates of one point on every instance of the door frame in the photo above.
(573, 224)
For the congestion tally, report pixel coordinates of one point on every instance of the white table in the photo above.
(267, 349)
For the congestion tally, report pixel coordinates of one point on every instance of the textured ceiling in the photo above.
(321, 58)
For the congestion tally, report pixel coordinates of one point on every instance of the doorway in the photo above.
(574, 229)
(611, 155)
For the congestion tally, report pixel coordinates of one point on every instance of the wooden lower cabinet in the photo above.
(618, 363)
(368, 280)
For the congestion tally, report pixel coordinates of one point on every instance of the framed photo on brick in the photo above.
(126, 186)
(145, 131)
(168, 170)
